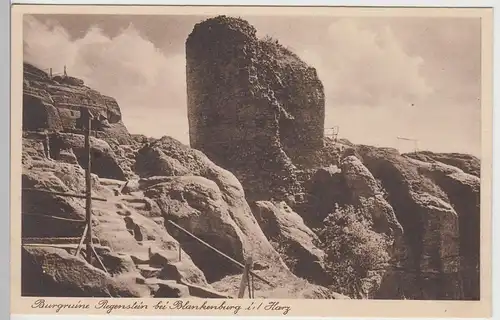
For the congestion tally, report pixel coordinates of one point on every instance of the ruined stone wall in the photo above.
(252, 105)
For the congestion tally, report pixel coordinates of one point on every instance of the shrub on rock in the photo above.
(352, 250)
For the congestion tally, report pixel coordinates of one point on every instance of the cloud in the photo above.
(440, 130)
(148, 85)
(376, 91)
(372, 71)
(366, 66)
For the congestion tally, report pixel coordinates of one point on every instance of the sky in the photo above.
(384, 77)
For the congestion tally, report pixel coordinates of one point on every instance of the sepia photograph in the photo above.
(251, 156)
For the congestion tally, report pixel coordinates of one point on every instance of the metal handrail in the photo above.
(64, 194)
(242, 266)
(53, 217)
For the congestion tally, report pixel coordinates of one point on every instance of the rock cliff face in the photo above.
(145, 183)
(54, 104)
(287, 230)
(252, 105)
(468, 163)
(435, 225)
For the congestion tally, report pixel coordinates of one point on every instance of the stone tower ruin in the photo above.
(253, 105)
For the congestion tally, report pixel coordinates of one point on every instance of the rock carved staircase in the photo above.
(163, 271)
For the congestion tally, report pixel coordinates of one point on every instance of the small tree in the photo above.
(352, 249)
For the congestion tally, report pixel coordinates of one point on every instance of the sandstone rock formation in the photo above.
(54, 104)
(252, 105)
(264, 178)
(287, 229)
(54, 272)
(118, 223)
(166, 181)
(432, 228)
(365, 191)
(463, 191)
(466, 162)
(131, 228)
(207, 200)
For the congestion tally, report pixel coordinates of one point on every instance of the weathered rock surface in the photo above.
(326, 189)
(431, 229)
(36, 206)
(366, 192)
(210, 203)
(170, 289)
(104, 161)
(286, 228)
(54, 104)
(271, 107)
(154, 162)
(54, 272)
(463, 191)
(285, 287)
(117, 223)
(466, 162)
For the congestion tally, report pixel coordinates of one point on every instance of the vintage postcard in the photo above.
(277, 161)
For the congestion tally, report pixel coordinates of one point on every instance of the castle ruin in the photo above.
(253, 105)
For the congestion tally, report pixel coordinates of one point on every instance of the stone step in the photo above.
(137, 205)
(167, 288)
(111, 182)
(158, 220)
(203, 292)
(161, 259)
(147, 271)
(135, 197)
(147, 243)
(139, 257)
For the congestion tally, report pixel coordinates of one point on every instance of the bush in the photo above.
(282, 247)
(352, 249)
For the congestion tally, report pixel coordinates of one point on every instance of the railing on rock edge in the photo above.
(248, 275)
(87, 233)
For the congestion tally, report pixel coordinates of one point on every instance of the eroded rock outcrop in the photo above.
(54, 272)
(463, 191)
(166, 181)
(54, 104)
(365, 191)
(270, 108)
(431, 226)
(209, 202)
(137, 245)
(287, 229)
(466, 162)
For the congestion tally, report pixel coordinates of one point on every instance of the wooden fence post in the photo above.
(249, 264)
(88, 184)
(245, 279)
(47, 143)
